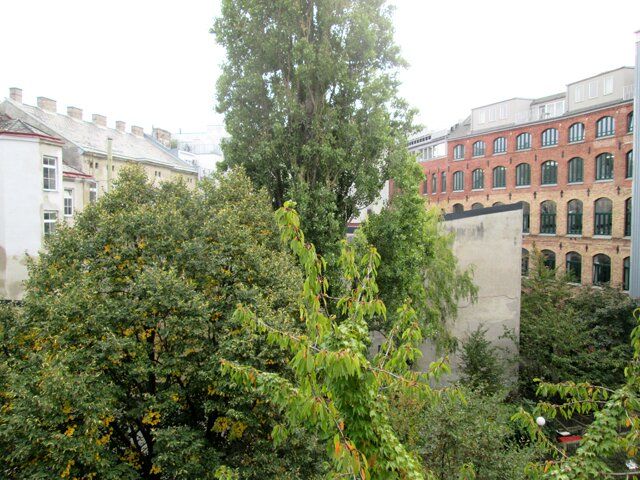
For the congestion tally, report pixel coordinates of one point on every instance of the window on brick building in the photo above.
(604, 166)
(477, 179)
(443, 182)
(458, 181)
(626, 272)
(458, 152)
(523, 141)
(548, 217)
(478, 148)
(605, 127)
(499, 177)
(627, 217)
(549, 259)
(549, 137)
(630, 122)
(500, 145)
(524, 265)
(526, 209)
(425, 187)
(458, 208)
(574, 217)
(603, 216)
(574, 266)
(575, 170)
(629, 165)
(497, 204)
(601, 269)
(477, 206)
(434, 183)
(549, 172)
(523, 175)
(576, 132)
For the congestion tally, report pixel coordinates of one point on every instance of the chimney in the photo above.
(15, 94)
(162, 136)
(74, 112)
(137, 131)
(99, 119)
(120, 125)
(47, 104)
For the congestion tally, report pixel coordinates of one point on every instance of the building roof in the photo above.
(92, 138)
(18, 127)
(69, 171)
(548, 98)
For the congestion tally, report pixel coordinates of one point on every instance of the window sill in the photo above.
(575, 142)
(477, 189)
(549, 185)
(523, 149)
(610, 135)
(499, 188)
(523, 186)
(574, 235)
(603, 237)
(457, 191)
(49, 190)
(604, 180)
(575, 183)
(499, 153)
(548, 234)
(549, 146)
(478, 156)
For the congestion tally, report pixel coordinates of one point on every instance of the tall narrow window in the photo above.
(574, 266)
(499, 177)
(49, 221)
(548, 217)
(93, 192)
(629, 166)
(434, 183)
(549, 171)
(458, 208)
(478, 148)
(523, 175)
(549, 137)
(602, 217)
(523, 141)
(500, 145)
(549, 259)
(630, 122)
(49, 173)
(604, 166)
(477, 177)
(524, 268)
(458, 181)
(443, 182)
(574, 217)
(601, 269)
(605, 127)
(458, 152)
(68, 202)
(526, 209)
(425, 187)
(575, 170)
(626, 271)
(576, 132)
(627, 217)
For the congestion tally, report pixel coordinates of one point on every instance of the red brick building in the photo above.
(567, 157)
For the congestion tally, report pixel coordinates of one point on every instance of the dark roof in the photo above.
(18, 127)
(483, 211)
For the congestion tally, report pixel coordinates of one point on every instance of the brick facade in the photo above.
(616, 246)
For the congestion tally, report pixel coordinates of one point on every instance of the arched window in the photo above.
(526, 209)
(500, 145)
(524, 269)
(434, 183)
(523, 175)
(630, 122)
(605, 127)
(478, 148)
(629, 169)
(574, 266)
(477, 206)
(497, 204)
(477, 179)
(575, 170)
(549, 172)
(604, 166)
(574, 217)
(549, 259)
(548, 217)
(443, 182)
(627, 217)
(425, 187)
(458, 152)
(602, 217)
(499, 177)
(458, 181)
(576, 132)
(549, 137)
(523, 141)
(601, 269)
(458, 208)
(626, 271)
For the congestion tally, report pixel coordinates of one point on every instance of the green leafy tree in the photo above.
(481, 366)
(309, 94)
(112, 366)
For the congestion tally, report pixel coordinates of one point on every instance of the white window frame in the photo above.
(68, 206)
(93, 192)
(482, 116)
(592, 90)
(502, 112)
(47, 167)
(578, 94)
(607, 86)
(49, 221)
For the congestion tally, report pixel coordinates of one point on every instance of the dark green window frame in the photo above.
(604, 166)
(574, 217)
(500, 145)
(478, 148)
(626, 272)
(575, 170)
(549, 173)
(549, 137)
(499, 177)
(601, 269)
(458, 181)
(630, 122)
(548, 217)
(574, 266)
(605, 127)
(627, 217)
(549, 259)
(477, 179)
(523, 141)
(526, 217)
(523, 175)
(576, 132)
(443, 182)
(629, 165)
(602, 216)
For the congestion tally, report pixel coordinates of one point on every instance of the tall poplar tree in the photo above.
(310, 97)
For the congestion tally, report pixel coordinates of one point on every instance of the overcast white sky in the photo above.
(152, 62)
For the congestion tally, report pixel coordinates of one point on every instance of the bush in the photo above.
(482, 368)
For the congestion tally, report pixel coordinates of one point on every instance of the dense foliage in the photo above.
(111, 369)
(482, 365)
(309, 93)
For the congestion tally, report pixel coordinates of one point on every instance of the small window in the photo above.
(68, 202)
(502, 112)
(524, 266)
(499, 177)
(629, 166)
(574, 217)
(627, 217)
(497, 204)
(443, 182)
(93, 192)
(602, 220)
(458, 152)
(626, 273)
(575, 170)
(482, 116)
(477, 177)
(608, 86)
(434, 183)
(49, 173)
(523, 141)
(477, 206)
(593, 89)
(579, 94)
(601, 269)
(523, 175)
(458, 208)
(630, 122)
(549, 137)
(549, 171)
(50, 220)
(525, 217)
(576, 132)
(500, 145)
(458, 181)
(604, 166)
(478, 148)
(549, 259)
(548, 217)
(605, 127)
(574, 266)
